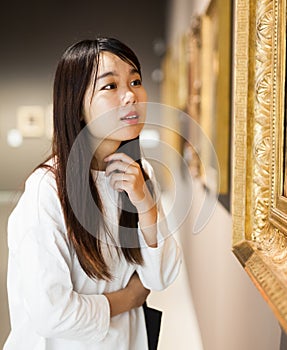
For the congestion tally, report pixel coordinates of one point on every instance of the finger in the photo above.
(119, 156)
(117, 166)
(120, 166)
(120, 186)
(122, 181)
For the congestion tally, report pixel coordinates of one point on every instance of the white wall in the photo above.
(231, 313)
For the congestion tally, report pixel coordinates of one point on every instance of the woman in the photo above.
(86, 240)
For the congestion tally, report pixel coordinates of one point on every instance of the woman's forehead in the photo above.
(108, 61)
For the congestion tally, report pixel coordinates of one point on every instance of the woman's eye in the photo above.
(109, 86)
(136, 82)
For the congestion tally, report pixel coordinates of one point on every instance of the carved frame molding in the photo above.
(259, 209)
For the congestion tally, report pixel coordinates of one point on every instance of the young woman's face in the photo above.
(115, 107)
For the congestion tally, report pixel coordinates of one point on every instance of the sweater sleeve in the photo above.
(38, 242)
(161, 264)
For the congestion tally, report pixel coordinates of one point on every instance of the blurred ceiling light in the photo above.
(14, 138)
(159, 47)
(157, 75)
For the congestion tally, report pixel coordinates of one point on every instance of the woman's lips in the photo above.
(130, 118)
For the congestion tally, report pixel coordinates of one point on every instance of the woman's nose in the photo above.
(128, 97)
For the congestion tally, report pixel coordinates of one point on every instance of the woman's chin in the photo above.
(128, 133)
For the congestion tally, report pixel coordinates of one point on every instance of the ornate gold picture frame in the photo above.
(259, 202)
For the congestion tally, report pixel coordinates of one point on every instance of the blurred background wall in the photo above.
(231, 314)
(33, 37)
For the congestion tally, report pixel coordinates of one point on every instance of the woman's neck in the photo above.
(104, 149)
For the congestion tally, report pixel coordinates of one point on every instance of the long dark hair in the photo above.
(73, 76)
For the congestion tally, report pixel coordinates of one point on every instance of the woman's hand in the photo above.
(133, 295)
(138, 293)
(126, 175)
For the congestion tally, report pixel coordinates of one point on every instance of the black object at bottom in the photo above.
(283, 341)
(153, 322)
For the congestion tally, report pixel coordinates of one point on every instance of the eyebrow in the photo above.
(106, 74)
(113, 73)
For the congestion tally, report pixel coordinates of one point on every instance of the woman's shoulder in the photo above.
(40, 186)
(38, 208)
(40, 196)
(43, 175)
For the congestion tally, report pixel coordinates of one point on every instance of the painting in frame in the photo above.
(210, 89)
(203, 55)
